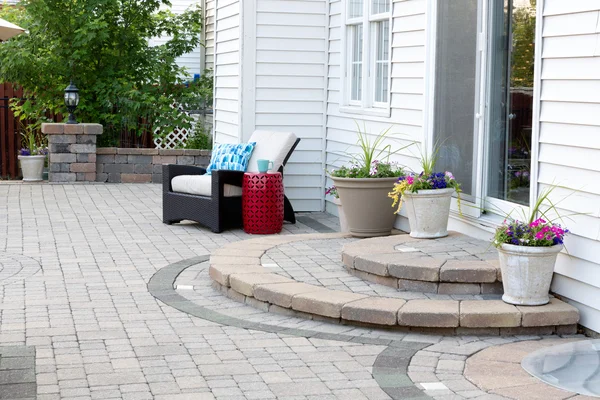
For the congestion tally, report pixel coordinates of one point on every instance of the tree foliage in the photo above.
(103, 47)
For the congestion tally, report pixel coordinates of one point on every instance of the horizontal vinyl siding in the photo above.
(227, 70)
(570, 144)
(407, 87)
(291, 48)
(209, 36)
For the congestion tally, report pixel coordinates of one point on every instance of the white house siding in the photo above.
(570, 143)
(407, 87)
(209, 33)
(291, 56)
(227, 71)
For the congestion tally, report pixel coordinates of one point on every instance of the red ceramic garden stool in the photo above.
(262, 203)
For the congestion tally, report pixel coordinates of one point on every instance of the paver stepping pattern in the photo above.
(247, 279)
(456, 264)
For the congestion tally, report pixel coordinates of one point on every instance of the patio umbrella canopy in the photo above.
(8, 30)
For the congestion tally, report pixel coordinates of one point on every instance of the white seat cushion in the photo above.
(201, 185)
(272, 146)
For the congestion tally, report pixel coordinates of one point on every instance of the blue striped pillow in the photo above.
(232, 157)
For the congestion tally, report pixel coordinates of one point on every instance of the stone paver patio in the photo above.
(76, 261)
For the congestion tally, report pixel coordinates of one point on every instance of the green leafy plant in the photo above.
(33, 143)
(373, 160)
(200, 138)
(104, 47)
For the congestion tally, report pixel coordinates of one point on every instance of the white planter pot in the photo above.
(343, 223)
(527, 273)
(428, 212)
(32, 167)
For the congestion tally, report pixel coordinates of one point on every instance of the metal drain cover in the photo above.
(573, 366)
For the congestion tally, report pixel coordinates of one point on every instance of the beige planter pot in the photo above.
(367, 207)
(428, 212)
(527, 273)
(343, 222)
(32, 167)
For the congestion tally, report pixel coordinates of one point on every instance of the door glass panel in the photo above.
(511, 95)
(456, 86)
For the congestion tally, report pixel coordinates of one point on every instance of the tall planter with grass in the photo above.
(426, 198)
(32, 155)
(528, 250)
(363, 186)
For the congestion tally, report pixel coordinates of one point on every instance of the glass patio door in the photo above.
(510, 113)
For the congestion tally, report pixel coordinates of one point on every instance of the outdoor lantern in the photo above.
(71, 101)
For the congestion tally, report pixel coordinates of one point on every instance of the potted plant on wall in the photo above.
(32, 155)
(332, 191)
(427, 198)
(527, 251)
(363, 186)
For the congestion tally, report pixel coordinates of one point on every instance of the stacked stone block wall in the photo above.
(72, 151)
(116, 165)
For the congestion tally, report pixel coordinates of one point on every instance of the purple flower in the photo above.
(24, 152)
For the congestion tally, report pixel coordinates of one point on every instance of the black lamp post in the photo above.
(71, 101)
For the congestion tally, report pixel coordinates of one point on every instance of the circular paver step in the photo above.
(456, 264)
(242, 277)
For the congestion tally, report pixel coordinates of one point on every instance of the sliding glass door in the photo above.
(483, 108)
(511, 78)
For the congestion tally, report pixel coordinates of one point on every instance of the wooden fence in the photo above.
(10, 139)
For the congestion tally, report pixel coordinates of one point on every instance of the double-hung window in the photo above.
(368, 51)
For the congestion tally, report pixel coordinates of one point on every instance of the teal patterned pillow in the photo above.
(233, 157)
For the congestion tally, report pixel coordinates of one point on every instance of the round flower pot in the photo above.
(32, 167)
(343, 222)
(428, 212)
(367, 207)
(527, 273)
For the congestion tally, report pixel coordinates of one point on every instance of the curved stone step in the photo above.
(456, 264)
(241, 278)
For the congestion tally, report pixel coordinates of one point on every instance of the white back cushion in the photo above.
(272, 146)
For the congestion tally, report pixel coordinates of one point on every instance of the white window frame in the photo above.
(367, 104)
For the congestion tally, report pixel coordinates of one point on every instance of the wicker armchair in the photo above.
(220, 210)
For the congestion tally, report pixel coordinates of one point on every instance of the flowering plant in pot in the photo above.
(32, 155)
(427, 197)
(528, 250)
(363, 185)
(332, 191)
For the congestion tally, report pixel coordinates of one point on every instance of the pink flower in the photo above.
(449, 175)
(410, 180)
(539, 235)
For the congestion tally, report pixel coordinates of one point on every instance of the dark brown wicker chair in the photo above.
(216, 212)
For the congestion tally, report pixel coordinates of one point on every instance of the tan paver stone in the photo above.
(245, 283)
(466, 271)
(554, 313)
(488, 314)
(379, 245)
(382, 280)
(327, 303)
(491, 375)
(492, 288)
(220, 273)
(515, 352)
(416, 268)
(374, 264)
(281, 294)
(459, 288)
(230, 260)
(373, 310)
(417, 286)
(429, 313)
(536, 391)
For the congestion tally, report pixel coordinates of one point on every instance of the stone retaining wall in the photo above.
(116, 165)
